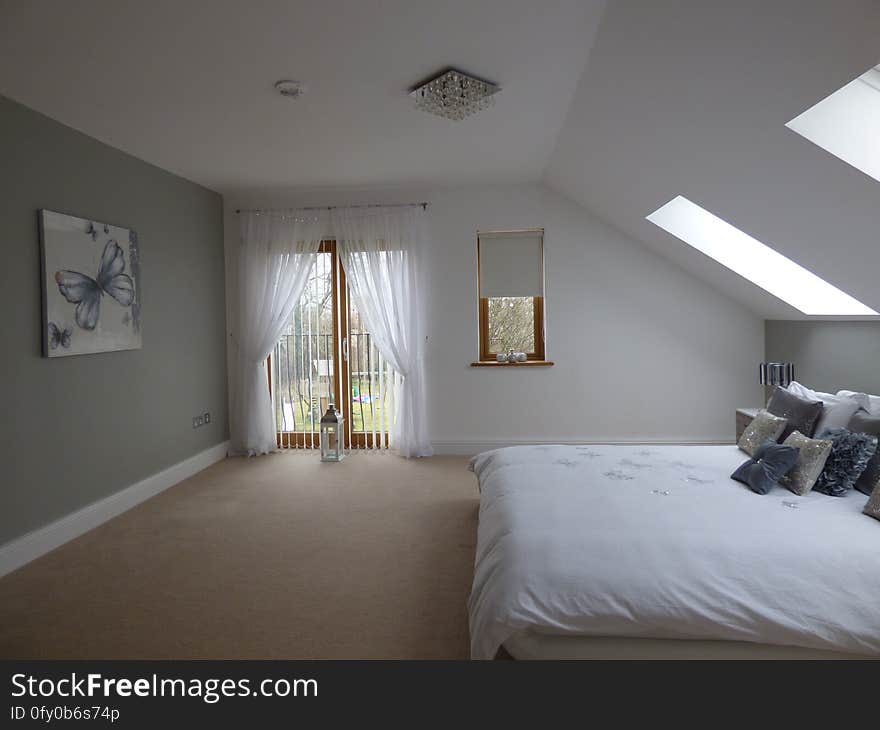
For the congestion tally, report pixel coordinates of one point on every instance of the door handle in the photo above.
(345, 348)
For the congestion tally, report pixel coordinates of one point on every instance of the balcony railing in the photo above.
(303, 380)
(303, 377)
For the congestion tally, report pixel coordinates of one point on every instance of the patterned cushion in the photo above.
(772, 462)
(850, 454)
(811, 460)
(863, 422)
(800, 413)
(872, 509)
(764, 427)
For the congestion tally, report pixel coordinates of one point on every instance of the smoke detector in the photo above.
(289, 88)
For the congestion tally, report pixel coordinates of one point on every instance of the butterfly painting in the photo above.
(91, 278)
(86, 292)
(58, 336)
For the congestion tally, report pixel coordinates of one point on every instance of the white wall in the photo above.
(643, 351)
(692, 98)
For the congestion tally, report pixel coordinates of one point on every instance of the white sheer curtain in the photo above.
(382, 251)
(275, 258)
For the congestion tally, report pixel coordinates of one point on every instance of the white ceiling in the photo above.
(682, 97)
(691, 98)
(188, 85)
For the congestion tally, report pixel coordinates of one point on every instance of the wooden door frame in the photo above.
(342, 305)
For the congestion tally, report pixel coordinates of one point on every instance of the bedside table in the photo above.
(744, 417)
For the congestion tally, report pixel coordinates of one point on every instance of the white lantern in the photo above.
(332, 435)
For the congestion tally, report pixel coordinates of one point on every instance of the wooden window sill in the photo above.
(496, 364)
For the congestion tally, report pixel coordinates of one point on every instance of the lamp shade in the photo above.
(776, 373)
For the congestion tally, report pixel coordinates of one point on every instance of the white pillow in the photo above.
(836, 410)
(870, 403)
(804, 392)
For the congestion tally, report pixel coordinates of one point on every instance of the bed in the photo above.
(653, 551)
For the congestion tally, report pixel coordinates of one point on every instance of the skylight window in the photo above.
(847, 123)
(751, 259)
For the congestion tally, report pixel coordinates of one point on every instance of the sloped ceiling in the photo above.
(187, 85)
(691, 97)
(620, 108)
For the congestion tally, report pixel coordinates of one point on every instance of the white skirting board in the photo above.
(28, 547)
(471, 448)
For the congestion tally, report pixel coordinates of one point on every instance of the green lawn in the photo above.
(363, 414)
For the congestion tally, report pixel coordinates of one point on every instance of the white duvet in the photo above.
(658, 541)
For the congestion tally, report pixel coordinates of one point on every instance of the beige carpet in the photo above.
(275, 557)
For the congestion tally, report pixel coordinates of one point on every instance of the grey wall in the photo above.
(77, 429)
(828, 356)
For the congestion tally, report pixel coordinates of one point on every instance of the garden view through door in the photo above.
(325, 353)
(373, 386)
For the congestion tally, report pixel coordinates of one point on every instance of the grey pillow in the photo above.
(764, 427)
(800, 413)
(771, 462)
(811, 460)
(863, 422)
(850, 454)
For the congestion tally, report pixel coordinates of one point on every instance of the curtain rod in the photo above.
(423, 206)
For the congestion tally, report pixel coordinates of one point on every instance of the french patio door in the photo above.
(326, 355)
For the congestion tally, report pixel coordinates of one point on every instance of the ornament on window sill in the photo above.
(511, 357)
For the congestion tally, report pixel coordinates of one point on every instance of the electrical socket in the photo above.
(202, 420)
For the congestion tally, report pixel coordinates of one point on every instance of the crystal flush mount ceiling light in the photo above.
(454, 95)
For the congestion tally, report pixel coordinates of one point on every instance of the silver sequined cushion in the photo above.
(811, 460)
(764, 427)
(873, 507)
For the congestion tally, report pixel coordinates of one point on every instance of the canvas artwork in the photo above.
(91, 286)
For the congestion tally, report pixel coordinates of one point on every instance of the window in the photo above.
(847, 123)
(753, 260)
(510, 268)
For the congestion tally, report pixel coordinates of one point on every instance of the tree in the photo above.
(511, 324)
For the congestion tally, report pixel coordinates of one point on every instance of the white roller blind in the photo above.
(512, 264)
